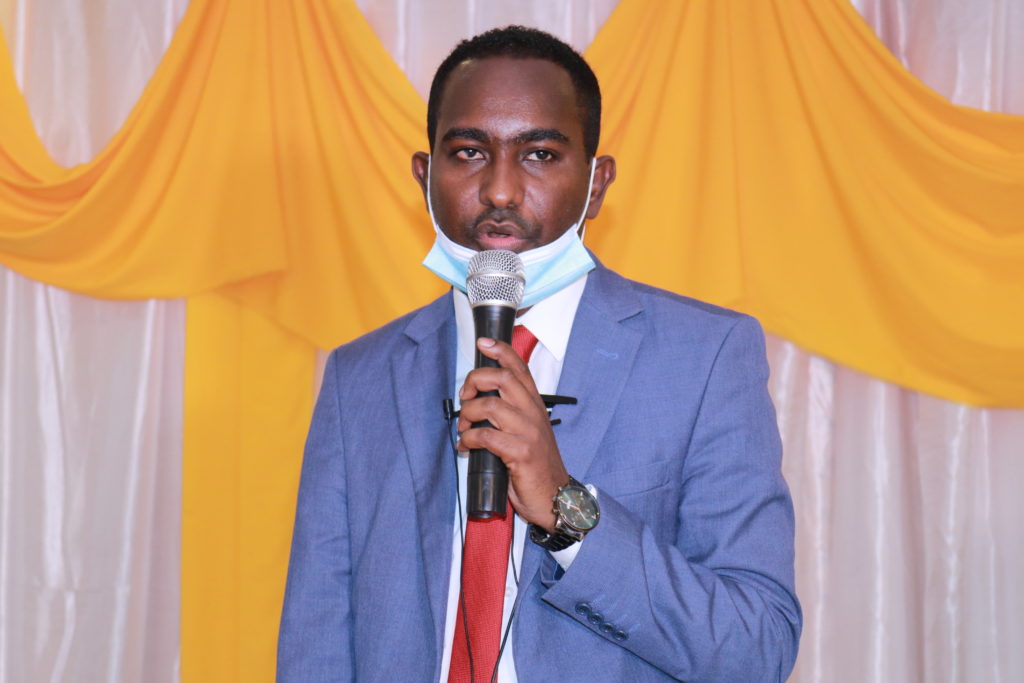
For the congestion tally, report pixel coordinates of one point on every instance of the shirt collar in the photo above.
(546, 320)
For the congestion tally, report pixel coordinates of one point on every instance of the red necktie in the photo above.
(484, 566)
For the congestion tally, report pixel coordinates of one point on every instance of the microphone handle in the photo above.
(487, 482)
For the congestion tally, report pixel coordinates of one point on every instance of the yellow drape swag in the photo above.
(267, 158)
(780, 160)
(773, 156)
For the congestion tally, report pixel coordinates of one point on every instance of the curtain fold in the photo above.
(90, 395)
(259, 161)
(249, 394)
(907, 510)
(153, 213)
(90, 484)
(801, 174)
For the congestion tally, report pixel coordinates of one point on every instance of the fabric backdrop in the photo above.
(90, 393)
(900, 496)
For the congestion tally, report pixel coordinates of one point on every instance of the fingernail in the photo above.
(486, 343)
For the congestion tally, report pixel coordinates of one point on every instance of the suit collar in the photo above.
(427, 321)
(611, 293)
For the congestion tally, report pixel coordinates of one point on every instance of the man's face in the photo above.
(509, 170)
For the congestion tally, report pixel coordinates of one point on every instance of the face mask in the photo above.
(549, 268)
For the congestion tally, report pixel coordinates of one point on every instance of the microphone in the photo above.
(495, 286)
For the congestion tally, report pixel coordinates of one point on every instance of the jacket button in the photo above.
(595, 618)
(583, 608)
(620, 636)
(607, 628)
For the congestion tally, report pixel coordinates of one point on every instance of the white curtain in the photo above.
(90, 393)
(909, 546)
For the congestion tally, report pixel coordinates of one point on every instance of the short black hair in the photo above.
(521, 42)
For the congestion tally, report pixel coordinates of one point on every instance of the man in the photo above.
(682, 566)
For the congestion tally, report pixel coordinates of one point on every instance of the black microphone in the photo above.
(495, 286)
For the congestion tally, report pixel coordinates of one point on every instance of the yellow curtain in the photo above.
(775, 157)
(264, 174)
(774, 154)
(266, 158)
(797, 172)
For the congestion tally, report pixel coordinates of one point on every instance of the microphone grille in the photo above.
(496, 276)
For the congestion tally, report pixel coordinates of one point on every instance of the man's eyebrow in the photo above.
(532, 135)
(540, 135)
(467, 134)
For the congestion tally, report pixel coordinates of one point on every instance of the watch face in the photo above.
(578, 508)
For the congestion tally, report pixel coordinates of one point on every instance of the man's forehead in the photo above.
(507, 88)
(509, 65)
(507, 78)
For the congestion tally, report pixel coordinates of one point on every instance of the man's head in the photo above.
(511, 131)
(520, 42)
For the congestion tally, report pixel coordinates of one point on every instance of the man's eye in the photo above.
(541, 155)
(468, 154)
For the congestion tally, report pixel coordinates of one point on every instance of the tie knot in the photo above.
(523, 342)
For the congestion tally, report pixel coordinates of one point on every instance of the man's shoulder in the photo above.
(668, 310)
(381, 342)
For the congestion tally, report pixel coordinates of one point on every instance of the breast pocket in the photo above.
(649, 491)
(633, 480)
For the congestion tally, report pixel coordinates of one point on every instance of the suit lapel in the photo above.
(597, 364)
(423, 375)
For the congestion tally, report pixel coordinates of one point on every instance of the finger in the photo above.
(506, 357)
(499, 412)
(507, 383)
(526, 427)
(509, 447)
(533, 478)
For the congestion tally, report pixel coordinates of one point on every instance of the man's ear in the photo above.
(604, 175)
(420, 166)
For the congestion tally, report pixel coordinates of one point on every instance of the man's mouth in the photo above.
(500, 236)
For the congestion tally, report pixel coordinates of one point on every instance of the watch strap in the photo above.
(560, 540)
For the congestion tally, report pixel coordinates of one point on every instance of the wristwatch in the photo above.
(576, 514)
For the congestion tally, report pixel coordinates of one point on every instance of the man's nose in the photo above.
(502, 185)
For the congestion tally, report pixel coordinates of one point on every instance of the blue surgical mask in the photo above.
(549, 268)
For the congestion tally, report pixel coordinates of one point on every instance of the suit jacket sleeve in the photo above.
(714, 601)
(315, 635)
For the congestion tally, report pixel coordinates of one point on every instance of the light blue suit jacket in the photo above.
(689, 574)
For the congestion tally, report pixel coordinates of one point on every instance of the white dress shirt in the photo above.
(551, 322)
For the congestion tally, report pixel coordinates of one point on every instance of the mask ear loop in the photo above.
(430, 204)
(586, 205)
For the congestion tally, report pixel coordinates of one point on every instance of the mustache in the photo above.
(499, 216)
